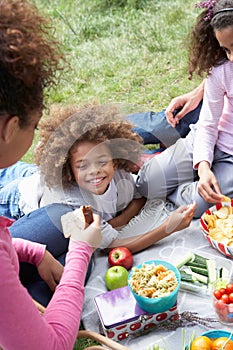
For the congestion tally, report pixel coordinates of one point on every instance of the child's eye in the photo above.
(82, 166)
(103, 161)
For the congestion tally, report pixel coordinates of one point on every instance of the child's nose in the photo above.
(95, 168)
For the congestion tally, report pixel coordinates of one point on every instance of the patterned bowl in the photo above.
(221, 247)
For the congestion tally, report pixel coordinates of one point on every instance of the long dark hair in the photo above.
(204, 49)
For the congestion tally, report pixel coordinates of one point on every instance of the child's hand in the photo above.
(73, 227)
(180, 218)
(50, 270)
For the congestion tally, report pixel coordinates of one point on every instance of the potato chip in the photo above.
(220, 225)
(226, 199)
(222, 213)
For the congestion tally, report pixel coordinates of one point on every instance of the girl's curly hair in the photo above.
(68, 126)
(29, 59)
(204, 49)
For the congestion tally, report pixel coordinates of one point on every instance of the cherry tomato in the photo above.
(217, 294)
(230, 297)
(222, 290)
(229, 288)
(220, 304)
(201, 343)
(222, 343)
(225, 298)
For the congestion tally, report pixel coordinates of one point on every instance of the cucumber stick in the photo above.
(187, 277)
(224, 273)
(187, 257)
(200, 260)
(211, 267)
(200, 278)
(199, 270)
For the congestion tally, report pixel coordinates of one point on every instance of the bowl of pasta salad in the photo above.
(155, 285)
(217, 227)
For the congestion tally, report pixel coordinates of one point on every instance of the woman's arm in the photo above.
(21, 325)
(178, 220)
(185, 103)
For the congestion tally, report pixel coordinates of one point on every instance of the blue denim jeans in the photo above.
(154, 128)
(9, 193)
(43, 226)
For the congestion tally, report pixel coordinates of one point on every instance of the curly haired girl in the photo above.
(199, 167)
(29, 62)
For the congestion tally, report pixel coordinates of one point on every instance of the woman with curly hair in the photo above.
(29, 63)
(199, 167)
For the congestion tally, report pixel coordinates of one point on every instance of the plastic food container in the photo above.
(158, 304)
(120, 316)
(222, 264)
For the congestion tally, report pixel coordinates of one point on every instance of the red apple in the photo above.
(120, 256)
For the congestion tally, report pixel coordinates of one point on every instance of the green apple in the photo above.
(116, 277)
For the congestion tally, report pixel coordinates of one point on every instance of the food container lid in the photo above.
(117, 307)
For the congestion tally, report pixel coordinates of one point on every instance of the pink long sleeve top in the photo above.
(21, 325)
(215, 125)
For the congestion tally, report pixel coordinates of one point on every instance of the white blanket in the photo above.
(170, 249)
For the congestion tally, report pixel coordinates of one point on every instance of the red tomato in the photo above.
(229, 288)
(222, 290)
(225, 298)
(222, 343)
(219, 304)
(230, 297)
(217, 294)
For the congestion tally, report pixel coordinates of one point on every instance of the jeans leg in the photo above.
(16, 171)
(43, 226)
(9, 200)
(154, 128)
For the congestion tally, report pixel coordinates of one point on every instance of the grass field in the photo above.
(126, 51)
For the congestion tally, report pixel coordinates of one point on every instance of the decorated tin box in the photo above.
(121, 316)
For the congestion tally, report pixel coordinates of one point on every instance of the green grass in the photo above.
(131, 52)
(126, 51)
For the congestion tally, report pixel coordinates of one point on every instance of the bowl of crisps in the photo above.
(155, 285)
(217, 227)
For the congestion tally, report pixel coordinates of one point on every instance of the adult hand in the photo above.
(73, 227)
(180, 218)
(184, 104)
(208, 186)
(50, 270)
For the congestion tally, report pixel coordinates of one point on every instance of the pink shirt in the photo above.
(21, 325)
(215, 125)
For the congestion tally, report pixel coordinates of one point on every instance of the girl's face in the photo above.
(17, 139)
(225, 39)
(92, 166)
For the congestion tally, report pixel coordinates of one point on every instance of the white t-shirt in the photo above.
(35, 194)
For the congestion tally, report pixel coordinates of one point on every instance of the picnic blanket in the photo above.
(171, 249)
